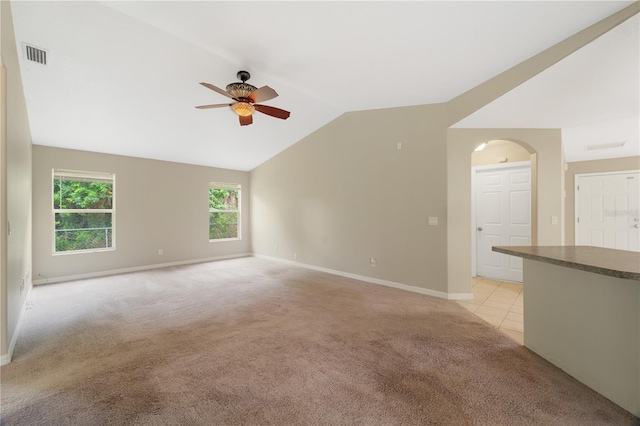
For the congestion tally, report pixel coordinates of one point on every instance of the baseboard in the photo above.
(6, 358)
(134, 269)
(414, 289)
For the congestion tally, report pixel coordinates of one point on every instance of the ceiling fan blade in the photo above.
(272, 111)
(217, 89)
(213, 106)
(245, 120)
(263, 94)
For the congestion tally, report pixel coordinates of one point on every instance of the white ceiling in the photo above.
(593, 96)
(122, 77)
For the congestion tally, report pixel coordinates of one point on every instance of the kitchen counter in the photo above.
(582, 314)
(614, 263)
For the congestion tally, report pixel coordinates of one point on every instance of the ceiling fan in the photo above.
(246, 97)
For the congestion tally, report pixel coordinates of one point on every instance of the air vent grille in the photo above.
(604, 146)
(35, 55)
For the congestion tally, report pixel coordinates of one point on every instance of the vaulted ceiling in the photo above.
(122, 77)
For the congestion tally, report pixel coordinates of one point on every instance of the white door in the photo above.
(607, 210)
(503, 218)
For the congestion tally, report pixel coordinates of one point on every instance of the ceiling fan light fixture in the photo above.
(245, 96)
(243, 108)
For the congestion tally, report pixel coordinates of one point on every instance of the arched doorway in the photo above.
(545, 148)
(505, 170)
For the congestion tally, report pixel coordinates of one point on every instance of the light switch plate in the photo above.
(433, 220)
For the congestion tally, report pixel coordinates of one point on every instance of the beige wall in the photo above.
(345, 194)
(546, 144)
(4, 345)
(16, 189)
(496, 151)
(596, 166)
(159, 205)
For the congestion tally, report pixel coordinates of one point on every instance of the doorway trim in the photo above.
(474, 172)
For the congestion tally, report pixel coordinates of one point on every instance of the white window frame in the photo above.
(80, 175)
(229, 186)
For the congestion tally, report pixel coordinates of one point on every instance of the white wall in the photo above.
(159, 205)
(16, 191)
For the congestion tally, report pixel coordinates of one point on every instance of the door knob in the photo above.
(480, 228)
(635, 226)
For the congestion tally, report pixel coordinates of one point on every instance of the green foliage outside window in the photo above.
(83, 231)
(223, 213)
(74, 194)
(75, 230)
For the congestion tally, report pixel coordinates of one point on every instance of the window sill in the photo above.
(221, 240)
(64, 253)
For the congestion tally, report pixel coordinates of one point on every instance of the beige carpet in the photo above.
(249, 341)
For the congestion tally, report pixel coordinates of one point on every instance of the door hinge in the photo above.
(578, 220)
(578, 187)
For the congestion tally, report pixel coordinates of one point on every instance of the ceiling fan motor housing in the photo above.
(241, 90)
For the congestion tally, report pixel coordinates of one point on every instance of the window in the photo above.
(83, 211)
(224, 211)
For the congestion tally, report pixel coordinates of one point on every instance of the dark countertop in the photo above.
(604, 261)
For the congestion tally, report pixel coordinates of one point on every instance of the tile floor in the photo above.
(500, 304)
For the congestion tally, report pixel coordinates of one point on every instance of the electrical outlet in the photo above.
(554, 220)
(22, 286)
(399, 146)
(160, 252)
(275, 247)
(373, 262)
(433, 221)
(295, 255)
